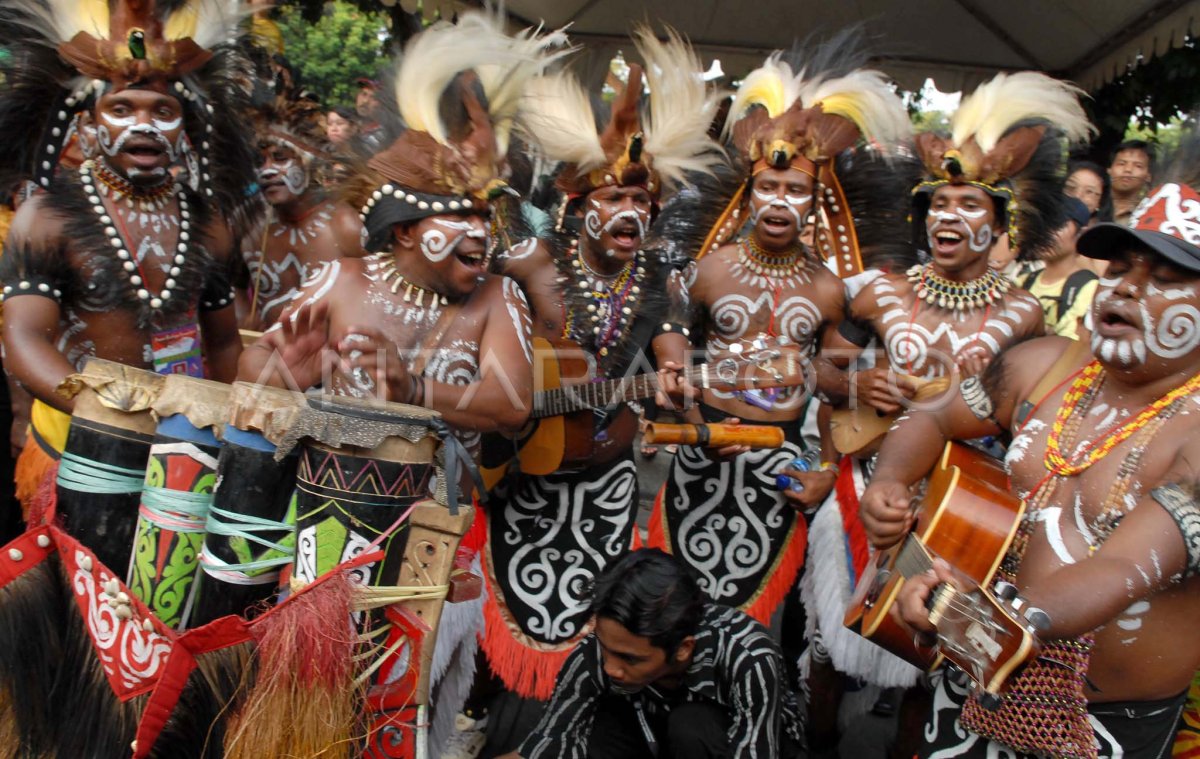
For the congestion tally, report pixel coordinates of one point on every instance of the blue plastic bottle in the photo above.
(802, 464)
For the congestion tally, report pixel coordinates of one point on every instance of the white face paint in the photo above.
(112, 147)
(591, 222)
(792, 204)
(979, 240)
(1175, 293)
(438, 244)
(1175, 334)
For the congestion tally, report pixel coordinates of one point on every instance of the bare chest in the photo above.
(926, 340)
(738, 311)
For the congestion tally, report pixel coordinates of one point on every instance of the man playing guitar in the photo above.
(597, 294)
(1112, 674)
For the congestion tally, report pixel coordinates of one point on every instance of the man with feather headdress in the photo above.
(410, 322)
(795, 133)
(1108, 548)
(596, 292)
(119, 259)
(999, 171)
(419, 320)
(305, 227)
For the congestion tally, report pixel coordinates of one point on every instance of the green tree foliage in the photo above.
(346, 43)
(1156, 92)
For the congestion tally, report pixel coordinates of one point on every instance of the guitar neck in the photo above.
(589, 395)
(913, 558)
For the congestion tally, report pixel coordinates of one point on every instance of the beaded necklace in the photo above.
(1087, 384)
(612, 300)
(119, 188)
(118, 238)
(936, 290)
(772, 265)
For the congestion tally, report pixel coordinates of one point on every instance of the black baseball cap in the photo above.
(1158, 225)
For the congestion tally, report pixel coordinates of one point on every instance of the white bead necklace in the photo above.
(122, 247)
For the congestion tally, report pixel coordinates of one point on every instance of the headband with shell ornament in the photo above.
(1007, 139)
(807, 120)
(457, 88)
(66, 54)
(655, 148)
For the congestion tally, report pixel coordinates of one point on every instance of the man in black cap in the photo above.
(1095, 432)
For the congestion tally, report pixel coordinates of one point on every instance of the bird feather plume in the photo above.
(476, 43)
(682, 107)
(867, 99)
(504, 85)
(773, 85)
(207, 22)
(556, 115)
(55, 21)
(998, 105)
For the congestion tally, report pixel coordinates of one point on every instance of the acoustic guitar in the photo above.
(561, 430)
(969, 519)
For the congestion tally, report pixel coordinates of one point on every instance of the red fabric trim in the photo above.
(26, 546)
(856, 536)
(476, 534)
(782, 578)
(220, 633)
(528, 672)
(656, 530)
(150, 649)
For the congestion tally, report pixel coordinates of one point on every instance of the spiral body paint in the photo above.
(438, 244)
(1173, 335)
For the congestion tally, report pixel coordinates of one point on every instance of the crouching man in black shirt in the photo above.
(666, 674)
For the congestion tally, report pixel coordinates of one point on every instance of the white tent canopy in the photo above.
(957, 43)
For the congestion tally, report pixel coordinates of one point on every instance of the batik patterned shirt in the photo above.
(735, 664)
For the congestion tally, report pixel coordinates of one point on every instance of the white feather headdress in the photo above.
(477, 42)
(660, 147)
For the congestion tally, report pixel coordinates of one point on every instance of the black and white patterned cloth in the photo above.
(1184, 509)
(727, 521)
(736, 665)
(549, 537)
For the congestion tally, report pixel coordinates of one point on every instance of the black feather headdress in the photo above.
(63, 54)
(814, 109)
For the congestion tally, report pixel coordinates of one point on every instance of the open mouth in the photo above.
(947, 240)
(144, 153)
(626, 236)
(472, 259)
(776, 223)
(1112, 322)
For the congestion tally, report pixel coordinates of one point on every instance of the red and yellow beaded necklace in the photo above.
(1087, 382)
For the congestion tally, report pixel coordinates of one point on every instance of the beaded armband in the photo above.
(667, 328)
(217, 292)
(978, 401)
(33, 285)
(217, 301)
(1186, 512)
